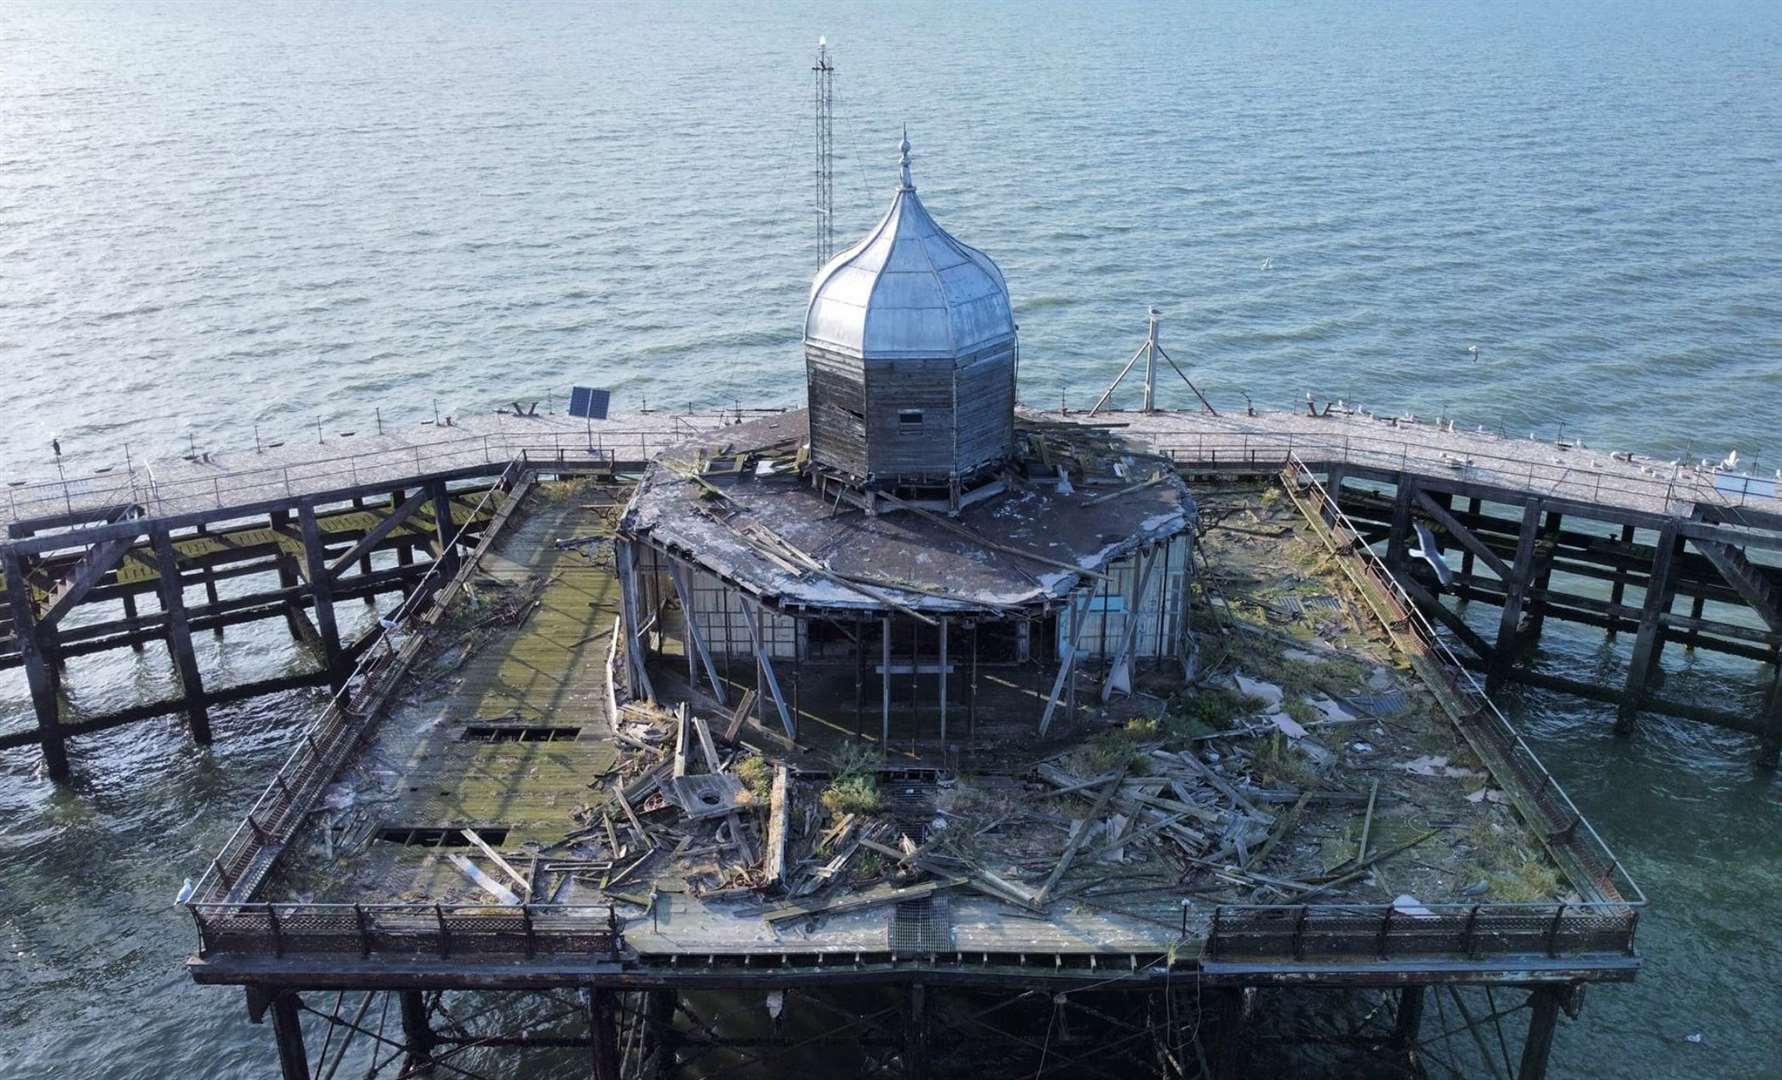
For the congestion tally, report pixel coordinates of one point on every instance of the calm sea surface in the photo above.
(216, 216)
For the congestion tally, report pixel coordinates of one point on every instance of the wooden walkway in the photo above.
(467, 745)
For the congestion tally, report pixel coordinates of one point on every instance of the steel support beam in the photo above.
(293, 1059)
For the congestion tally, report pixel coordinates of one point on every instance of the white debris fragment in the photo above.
(1287, 726)
(1406, 904)
(1430, 765)
(1266, 692)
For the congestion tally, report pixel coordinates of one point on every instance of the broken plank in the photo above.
(706, 746)
(1078, 838)
(738, 715)
(485, 882)
(857, 901)
(494, 857)
(778, 818)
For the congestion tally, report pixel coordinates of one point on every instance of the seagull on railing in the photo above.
(1731, 462)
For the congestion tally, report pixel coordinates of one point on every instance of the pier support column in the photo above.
(1466, 557)
(130, 619)
(321, 591)
(179, 636)
(417, 1033)
(665, 1058)
(603, 1034)
(1399, 539)
(444, 532)
(1537, 611)
(39, 672)
(1544, 1004)
(1661, 590)
(293, 1060)
(915, 1033)
(208, 575)
(296, 619)
(1515, 589)
(1333, 486)
(1409, 1019)
(1769, 748)
(1619, 589)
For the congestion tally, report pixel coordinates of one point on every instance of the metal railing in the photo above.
(1676, 495)
(139, 485)
(231, 877)
(1538, 796)
(1388, 932)
(433, 930)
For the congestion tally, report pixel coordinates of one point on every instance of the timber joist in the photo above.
(311, 554)
(1511, 562)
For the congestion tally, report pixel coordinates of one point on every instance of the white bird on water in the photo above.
(1474, 349)
(1268, 263)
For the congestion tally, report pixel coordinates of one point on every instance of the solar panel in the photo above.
(586, 401)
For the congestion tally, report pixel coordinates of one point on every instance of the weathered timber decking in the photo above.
(301, 464)
(545, 666)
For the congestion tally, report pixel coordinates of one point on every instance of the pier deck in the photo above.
(1421, 852)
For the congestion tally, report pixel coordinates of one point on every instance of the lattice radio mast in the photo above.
(825, 73)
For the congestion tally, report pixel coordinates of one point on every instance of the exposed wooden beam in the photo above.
(376, 534)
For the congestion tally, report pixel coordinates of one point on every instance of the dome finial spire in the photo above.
(903, 161)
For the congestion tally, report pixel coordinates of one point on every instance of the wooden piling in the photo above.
(321, 591)
(603, 1034)
(1661, 587)
(39, 674)
(179, 636)
(417, 1032)
(1503, 655)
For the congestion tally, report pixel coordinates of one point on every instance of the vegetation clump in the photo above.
(855, 789)
(858, 794)
(1277, 764)
(1517, 874)
(757, 776)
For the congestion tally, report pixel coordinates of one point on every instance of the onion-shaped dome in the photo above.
(909, 290)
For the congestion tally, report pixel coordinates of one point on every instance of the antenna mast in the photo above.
(825, 73)
(1150, 351)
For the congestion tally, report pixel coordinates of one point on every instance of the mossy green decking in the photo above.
(526, 646)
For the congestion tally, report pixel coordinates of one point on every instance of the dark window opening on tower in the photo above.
(909, 418)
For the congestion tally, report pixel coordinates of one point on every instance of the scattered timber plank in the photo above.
(485, 882)
(738, 715)
(494, 857)
(1219, 783)
(643, 834)
(778, 820)
(857, 901)
(1078, 838)
(706, 746)
(681, 749)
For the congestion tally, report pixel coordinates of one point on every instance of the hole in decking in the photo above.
(498, 733)
(431, 837)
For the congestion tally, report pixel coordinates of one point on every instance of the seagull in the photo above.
(1427, 550)
(1731, 462)
(1268, 263)
(1474, 349)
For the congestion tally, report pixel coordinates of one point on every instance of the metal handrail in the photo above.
(1425, 631)
(1678, 497)
(140, 485)
(337, 716)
